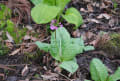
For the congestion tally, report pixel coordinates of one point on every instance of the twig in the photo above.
(64, 76)
(32, 43)
(12, 65)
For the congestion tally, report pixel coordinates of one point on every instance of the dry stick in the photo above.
(64, 76)
(32, 43)
(16, 65)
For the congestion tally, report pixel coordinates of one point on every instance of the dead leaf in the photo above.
(27, 37)
(76, 33)
(93, 20)
(15, 52)
(9, 44)
(30, 48)
(2, 75)
(10, 38)
(83, 10)
(51, 76)
(58, 69)
(29, 27)
(104, 15)
(25, 71)
(90, 8)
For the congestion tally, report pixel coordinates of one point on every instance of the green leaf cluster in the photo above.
(63, 48)
(6, 25)
(47, 10)
(99, 72)
(3, 49)
(5, 12)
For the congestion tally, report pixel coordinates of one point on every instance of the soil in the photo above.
(42, 67)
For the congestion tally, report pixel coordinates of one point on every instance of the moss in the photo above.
(112, 46)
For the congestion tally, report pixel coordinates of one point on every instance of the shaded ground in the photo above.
(98, 16)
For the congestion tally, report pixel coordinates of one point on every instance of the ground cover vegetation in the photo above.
(59, 40)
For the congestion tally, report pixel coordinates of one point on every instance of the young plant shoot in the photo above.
(99, 72)
(63, 48)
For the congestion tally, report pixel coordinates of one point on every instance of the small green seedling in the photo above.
(6, 25)
(115, 4)
(63, 48)
(47, 10)
(99, 72)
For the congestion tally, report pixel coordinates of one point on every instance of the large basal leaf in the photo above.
(70, 51)
(115, 76)
(70, 66)
(73, 16)
(36, 2)
(78, 41)
(43, 13)
(50, 2)
(98, 70)
(62, 3)
(59, 40)
(88, 48)
(43, 46)
(62, 47)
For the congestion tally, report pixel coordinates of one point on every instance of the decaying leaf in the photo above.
(25, 71)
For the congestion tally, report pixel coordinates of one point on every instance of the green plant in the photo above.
(115, 4)
(6, 25)
(3, 49)
(63, 48)
(48, 10)
(99, 72)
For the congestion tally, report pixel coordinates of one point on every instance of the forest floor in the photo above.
(25, 62)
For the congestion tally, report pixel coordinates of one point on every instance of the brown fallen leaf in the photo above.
(93, 20)
(51, 76)
(25, 71)
(90, 8)
(2, 75)
(15, 52)
(10, 38)
(104, 15)
(5, 67)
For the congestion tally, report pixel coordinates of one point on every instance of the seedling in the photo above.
(47, 10)
(6, 25)
(99, 72)
(63, 48)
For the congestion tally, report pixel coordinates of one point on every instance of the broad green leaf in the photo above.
(59, 40)
(70, 66)
(98, 70)
(36, 2)
(78, 41)
(43, 13)
(2, 24)
(10, 27)
(88, 48)
(70, 51)
(73, 16)
(59, 3)
(5, 12)
(43, 46)
(50, 2)
(115, 76)
(61, 46)
(62, 3)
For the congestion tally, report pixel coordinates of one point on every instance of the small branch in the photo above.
(32, 43)
(64, 76)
